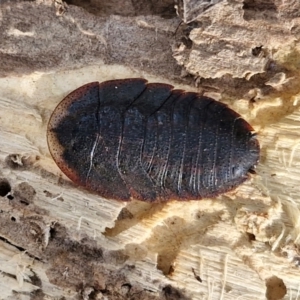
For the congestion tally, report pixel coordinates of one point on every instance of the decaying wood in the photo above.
(58, 241)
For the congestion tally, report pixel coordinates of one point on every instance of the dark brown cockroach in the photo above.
(126, 139)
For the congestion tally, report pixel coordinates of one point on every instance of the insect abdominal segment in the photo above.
(150, 142)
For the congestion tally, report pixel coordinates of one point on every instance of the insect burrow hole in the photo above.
(5, 187)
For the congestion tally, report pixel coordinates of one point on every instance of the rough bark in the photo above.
(58, 241)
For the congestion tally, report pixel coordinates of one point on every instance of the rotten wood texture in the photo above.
(58, 241)
(190, 10)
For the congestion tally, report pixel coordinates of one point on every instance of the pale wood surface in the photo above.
(58, 240)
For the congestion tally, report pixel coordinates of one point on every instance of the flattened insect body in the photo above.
(128, 139)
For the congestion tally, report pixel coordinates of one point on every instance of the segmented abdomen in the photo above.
(128, 139)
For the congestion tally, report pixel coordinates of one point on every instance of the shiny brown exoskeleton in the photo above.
(128, 139)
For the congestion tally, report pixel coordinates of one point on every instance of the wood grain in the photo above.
(58, 241)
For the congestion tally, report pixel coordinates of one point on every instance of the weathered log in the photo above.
(58, 241)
